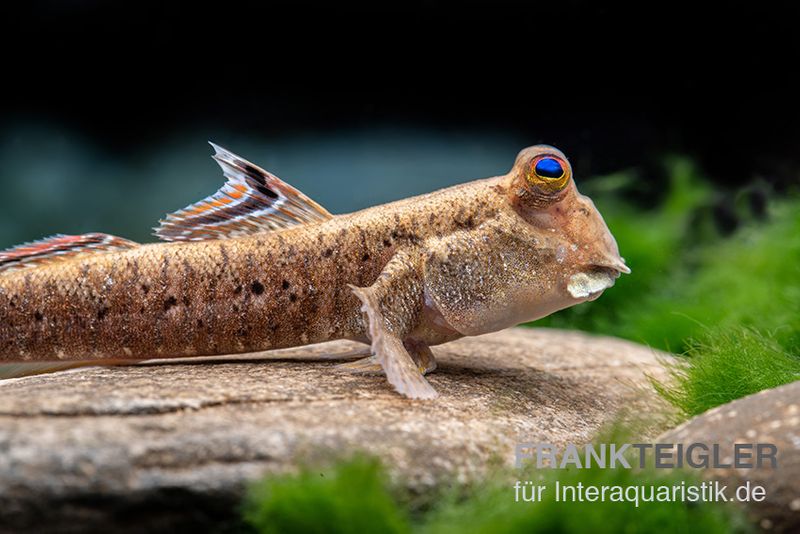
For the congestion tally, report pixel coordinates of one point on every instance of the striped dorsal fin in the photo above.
(251, 201)
(58, 248)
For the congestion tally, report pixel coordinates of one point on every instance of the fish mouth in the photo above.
(616, 264)
(590, 283)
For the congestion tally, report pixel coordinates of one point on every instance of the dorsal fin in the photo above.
(59, 247)
(251, 201)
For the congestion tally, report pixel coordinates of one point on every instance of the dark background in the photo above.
(615, 86)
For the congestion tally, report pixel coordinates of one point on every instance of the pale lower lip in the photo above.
(589, 285)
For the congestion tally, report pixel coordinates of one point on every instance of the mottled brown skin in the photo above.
(461, 261)
(272, 290)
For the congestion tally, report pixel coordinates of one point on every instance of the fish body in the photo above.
(260, 266)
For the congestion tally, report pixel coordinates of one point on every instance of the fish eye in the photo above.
(549, 168)
(549, 173)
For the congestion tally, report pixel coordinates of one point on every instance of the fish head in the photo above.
(541, 191)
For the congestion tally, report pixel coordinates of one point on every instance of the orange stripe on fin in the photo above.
(251, 201)
(59, 248)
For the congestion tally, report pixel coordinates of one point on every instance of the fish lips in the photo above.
(589, 284)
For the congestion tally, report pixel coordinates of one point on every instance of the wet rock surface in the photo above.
(170, 445)
(768, 417)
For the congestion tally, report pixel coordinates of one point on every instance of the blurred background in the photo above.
(109, 105)
(683, 126)
(688, 147)
(73, 174)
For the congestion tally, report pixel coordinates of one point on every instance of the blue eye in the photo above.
(549, 168)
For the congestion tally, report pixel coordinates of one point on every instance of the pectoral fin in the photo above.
(392, 306)
(420, 353)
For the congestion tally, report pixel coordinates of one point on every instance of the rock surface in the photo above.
(160, 446)
(771, 416)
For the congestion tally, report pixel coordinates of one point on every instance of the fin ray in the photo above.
(59, 247)
(252, 200)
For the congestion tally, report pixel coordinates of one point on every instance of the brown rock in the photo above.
(771, 416)
(157, 446)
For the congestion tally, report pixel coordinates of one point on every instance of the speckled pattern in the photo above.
(278, 289)
(480, 257)
(115, 448)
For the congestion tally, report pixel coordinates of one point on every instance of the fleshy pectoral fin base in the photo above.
(388, 349)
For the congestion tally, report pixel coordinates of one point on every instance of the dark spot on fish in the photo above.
(169, 303)
(38, 316)
(185, 300)
(199, 323)
(236, 308)
(285, 284)
(145, 288)
(467, 223)
(328, 252)
(387, 243)
(102, 312)
(365, 257)
(243, 331)
(257, 287)
(141, 310)
(237, 289)
(292, 297)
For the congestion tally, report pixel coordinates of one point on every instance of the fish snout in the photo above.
(615, 263)
(604, 255)
(600, 250)
(597, 276)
